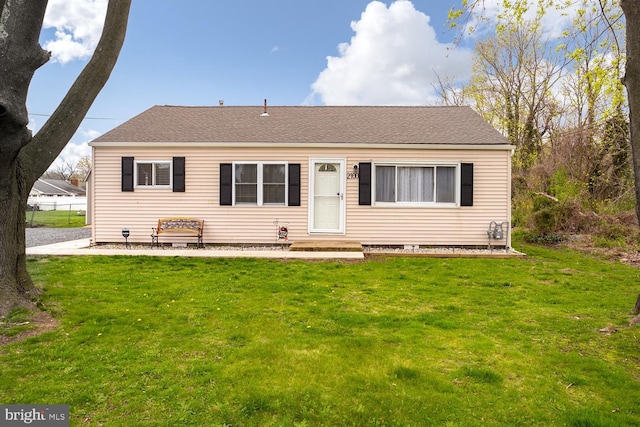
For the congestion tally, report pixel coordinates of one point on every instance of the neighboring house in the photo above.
(57, 194)
(55, 187)
(376, 175)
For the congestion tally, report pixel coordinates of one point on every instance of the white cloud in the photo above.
(78, 26)
(394, 58)
(91, 134)
(70, 155)
(74, 151)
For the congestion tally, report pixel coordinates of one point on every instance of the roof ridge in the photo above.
(372, 124)
(313, 106)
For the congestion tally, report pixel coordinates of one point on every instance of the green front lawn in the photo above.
(384, 342)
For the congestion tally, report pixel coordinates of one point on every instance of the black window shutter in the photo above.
(127, 174)
(466, 184)
(226, 184)
(294, 184)
(364, 184)
(178, 174)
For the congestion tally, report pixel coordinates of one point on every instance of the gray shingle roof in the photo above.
(56, 187)
(361, 124)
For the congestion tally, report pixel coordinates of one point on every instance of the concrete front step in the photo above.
(326, 246)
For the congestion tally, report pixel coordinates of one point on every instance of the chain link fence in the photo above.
(55, 214)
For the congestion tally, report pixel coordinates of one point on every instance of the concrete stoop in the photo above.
(326, 246)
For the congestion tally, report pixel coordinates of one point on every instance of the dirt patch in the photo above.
(38, 324)
(627, 254)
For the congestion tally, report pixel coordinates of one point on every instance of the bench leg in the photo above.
(156, 243)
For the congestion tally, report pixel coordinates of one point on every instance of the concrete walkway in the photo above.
(82, 247)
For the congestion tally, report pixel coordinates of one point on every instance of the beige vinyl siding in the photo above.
(373, 225)
(437, 225)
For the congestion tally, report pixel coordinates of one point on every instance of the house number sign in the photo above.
(353, 175)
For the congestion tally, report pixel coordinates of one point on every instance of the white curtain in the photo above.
(385, 183)
(415, 184)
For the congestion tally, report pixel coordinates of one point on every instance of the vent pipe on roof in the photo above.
(265, 114)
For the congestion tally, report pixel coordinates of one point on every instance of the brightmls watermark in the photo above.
(34, 415)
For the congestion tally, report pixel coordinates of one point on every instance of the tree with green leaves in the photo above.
(25, 157)
(514, 72)
(470, 10)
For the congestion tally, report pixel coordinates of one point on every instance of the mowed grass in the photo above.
(384, 342)
(56, 219)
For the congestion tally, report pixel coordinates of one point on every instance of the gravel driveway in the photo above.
(46, 236)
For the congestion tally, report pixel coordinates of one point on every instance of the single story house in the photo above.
(56, 194)
(56, 187)
(378, 175)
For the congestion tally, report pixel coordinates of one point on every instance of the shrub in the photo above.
(552, 216)
(542, 239)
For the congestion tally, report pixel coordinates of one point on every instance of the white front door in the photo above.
(326, 191)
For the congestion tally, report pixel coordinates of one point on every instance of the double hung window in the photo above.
(415, 184)
(260, 183)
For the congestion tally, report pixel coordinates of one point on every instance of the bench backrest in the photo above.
(190, 225)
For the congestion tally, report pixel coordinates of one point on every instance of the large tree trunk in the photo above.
(631, 9)
(24, 158)
(16, 287)
(20, 57)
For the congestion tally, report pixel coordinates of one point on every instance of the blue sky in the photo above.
(197, 52)
(291, 52)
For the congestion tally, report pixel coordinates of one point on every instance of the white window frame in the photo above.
(433, 204)
(260, 183)
(153, 163)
